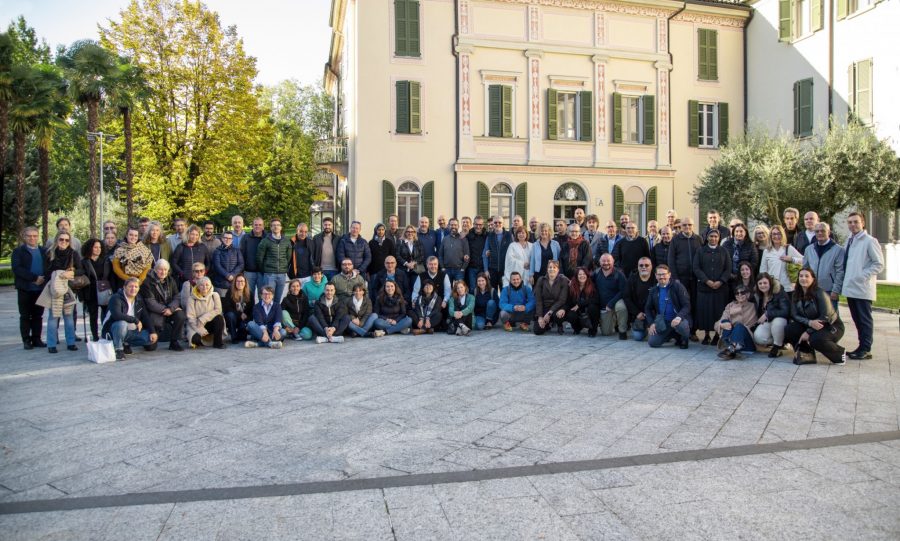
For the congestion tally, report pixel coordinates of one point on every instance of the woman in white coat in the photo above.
(777, 255)
(518, 257)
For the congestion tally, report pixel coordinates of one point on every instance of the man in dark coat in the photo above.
(668, 299)
(494, 255)
(681, 262)
(630, 249)
(163, 299)
(28, 268)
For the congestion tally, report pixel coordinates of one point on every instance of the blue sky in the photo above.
(289, 39)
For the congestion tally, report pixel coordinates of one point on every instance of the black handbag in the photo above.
(805, 355)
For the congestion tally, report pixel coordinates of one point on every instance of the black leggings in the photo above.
(574, 318)
(92, 311)
(824, 341)
(216, 328)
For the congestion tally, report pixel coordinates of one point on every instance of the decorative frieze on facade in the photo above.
(712, 20)
(534, 23)
(463, 16)
(663, 37)
(610, 7)
(466, 94)
(600, 36)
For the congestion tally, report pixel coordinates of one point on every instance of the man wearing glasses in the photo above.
(826, 258)
(477, 239)
(494, 255)
(637, 289)
(668, 311)
(681, 262)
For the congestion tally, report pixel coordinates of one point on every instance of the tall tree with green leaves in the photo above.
(54, 110)
(130, 90)
(26, 105)
(92, 72)
(6, 91)
(201, 127)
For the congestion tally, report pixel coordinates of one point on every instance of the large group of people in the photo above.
(776, 287)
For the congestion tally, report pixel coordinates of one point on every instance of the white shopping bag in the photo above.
(101, 351)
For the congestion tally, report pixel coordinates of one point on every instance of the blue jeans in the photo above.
(362, 330)
(256, 331)
(53, 329)
(740, 335)
(121, 336)
(403, 323)
(277, 282)
(454, 275)
(638, 336)
(237, 327)
(490, 314)
(254, 284)
(471, 275)
(682, 331)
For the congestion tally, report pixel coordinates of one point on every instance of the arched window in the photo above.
(501, 202)
(409, 204)
(568, 197)
(634, 207)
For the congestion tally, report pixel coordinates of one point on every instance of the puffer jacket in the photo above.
(777, 306)
(226, 260)
(274, 255)
(297, 306)
(328, 316)
(200, 310)
(356, 251)
(184, 258)
(550, 296)
(746, 252)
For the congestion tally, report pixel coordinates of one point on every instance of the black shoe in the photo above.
(220, 346)
(78, 339)
(151, 347)
(859, 355)
(175, 346)
(95, 339)
(196, 340)
(38, 344)
(52, 350)
(714, 340)
(705, 341)
(592, 333)
(842, 360)
(775, 352)
(683, 344)
(127, 350)
(561, 330)
(623, 336)
(120, 355)
(73, 347)
(28, 345)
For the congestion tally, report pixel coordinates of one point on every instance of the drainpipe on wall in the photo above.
(453, 43)
(830, 62)
(669, 49)
(746, 86)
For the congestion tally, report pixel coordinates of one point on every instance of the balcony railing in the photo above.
(332, 150)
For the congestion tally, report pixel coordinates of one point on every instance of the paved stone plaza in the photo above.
(545, 438)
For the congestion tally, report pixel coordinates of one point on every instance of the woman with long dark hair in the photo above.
(96, 267)
(62, 265)
(583, 304)
(814, 324)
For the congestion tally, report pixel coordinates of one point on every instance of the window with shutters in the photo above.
(707, 117)
(803, 108)
(501, 109)
(409, 204)
(860, 99)
(408, 106)
(707, 124)
(570, 115)
(566, 115)
(707, 54)
(631, 119)
(407, 34)
(634, 119)
(501, 201)
(858, 5)
(800, 18)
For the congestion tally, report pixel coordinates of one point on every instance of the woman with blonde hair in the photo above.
(156, 242)
(411, 254)
(760, 241)
(205, 322)
(778, 256)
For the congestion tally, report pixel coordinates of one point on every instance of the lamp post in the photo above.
(94, 136)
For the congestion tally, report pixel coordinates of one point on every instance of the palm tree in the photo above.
(130, 90)
(6, 62)
(91, 71)
(56, 108)
(25, 106)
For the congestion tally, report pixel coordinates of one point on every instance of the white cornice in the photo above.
(529, 50)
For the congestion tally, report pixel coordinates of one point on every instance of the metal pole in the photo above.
(101, 180)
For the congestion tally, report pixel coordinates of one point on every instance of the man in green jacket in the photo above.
(272, 259)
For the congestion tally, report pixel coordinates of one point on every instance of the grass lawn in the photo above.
(888, 297)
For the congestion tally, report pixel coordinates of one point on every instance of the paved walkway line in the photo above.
(424, 479)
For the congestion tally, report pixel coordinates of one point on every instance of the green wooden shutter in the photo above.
(388, 200)
(402, 106)
(817, 22)
(651, 204)
(483, 203)
(401, 47)
(649, 107)
(412, 28)
(618, 203)
(586, 100)
(784, 19)
(864, 91)
(495, 105)
(617, 117)
(521, 198)
(702, 54)
(428, 200)
(415, 105)
(796, 108)
(712, 54)
(507, 111)
(723, 123)
(803, 105)
(552, 123)
(693, 123)
(851, 91)
(841, 9)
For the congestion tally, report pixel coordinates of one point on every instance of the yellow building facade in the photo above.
(532, 107)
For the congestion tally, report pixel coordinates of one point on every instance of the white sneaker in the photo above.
(297, 337)
(337, 339)
(464, 330)
(275, 344)
(378, 333)
(321, 339)
(250, 344)
(405, 331)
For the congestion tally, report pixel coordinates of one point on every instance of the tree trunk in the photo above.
(19, 144)
(44, 179)
(93, 116)
(4, 118)
(129, 173)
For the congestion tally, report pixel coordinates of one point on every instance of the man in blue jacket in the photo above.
(265, 329)
(355, 248)
(428, 237)
(516, 304)
(668, 311)
(28, 268)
